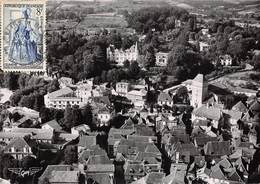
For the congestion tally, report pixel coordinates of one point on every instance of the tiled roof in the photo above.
(154, 178)
(151, 148)
(240, 106)
(48, 171)
(100, 168)
(98, 159)
(87, 141)
(164, 97)
(233, 114)
(202, 140)
(18, 143)
(61, 92)
(200, 122)
(217, 148)
(54, 124)
(64, 177)
(37, 133)
(12, 135)
(98, 178)
(212, 113)
(255, 107)
(217, 173)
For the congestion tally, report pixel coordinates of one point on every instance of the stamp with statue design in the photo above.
(23, 35)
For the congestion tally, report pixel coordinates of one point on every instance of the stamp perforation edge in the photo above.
(44, 19)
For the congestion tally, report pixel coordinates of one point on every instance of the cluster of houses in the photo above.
(208, 143)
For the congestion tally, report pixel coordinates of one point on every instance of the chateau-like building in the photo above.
(120, 56)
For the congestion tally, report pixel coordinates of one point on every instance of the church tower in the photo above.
(199, 90)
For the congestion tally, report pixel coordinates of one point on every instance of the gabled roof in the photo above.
(217, 173)
(151, 148)
(212, 113)
(202, 140)
(164, 97)
(217, 148)
(240, 106)
(87, 141)
(48, 171)
(255, 107)
(64, 177)
(54, 124)
(18, 143)
(99, 159)
(233, 114)
(61, 92)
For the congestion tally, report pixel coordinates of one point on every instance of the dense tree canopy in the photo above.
(158, 18)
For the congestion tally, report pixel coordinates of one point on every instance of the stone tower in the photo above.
(199, 90)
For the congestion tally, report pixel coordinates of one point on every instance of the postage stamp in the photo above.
(23, 35)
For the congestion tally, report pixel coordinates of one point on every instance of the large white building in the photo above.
(120, 55)
(61, 98)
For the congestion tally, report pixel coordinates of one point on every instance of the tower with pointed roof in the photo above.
(199, 90)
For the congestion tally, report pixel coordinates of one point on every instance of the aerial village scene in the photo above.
(137, 92)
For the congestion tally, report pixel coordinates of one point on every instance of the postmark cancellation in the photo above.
(23, 35)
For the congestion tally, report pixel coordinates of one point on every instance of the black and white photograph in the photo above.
(129, 92)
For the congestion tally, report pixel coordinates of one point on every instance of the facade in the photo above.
(161, 58)
(18, 148)
(62, 98)
(122, 88)
(120, 55)
(203, 46)
(225, 60)
(199, 90)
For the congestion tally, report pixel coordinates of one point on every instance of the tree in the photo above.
(87, 115)
(28, 162)
(68, 118)
(115, 39)
(70, 154)
(11, 80)
(149, 57)
(134, 69)
(126, 63)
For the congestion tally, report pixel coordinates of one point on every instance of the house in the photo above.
(86, 141)
(217, 149)
(64, 177)
(7, 137)
(18, 148)
(225, 60)
(77, 130)
(213, 114)
(104, 115)
(120, 55)
(65, 82)
(233, 118)
(61, 98)
(50, 168)
(151, 178)
(100, 169)
(203, 46)
(240, 107)
(52, 125)
(165, 99)
(40, 135)
(247, 92)
(161, 58)
(122, 88)
(133, 171)
(137, 97)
